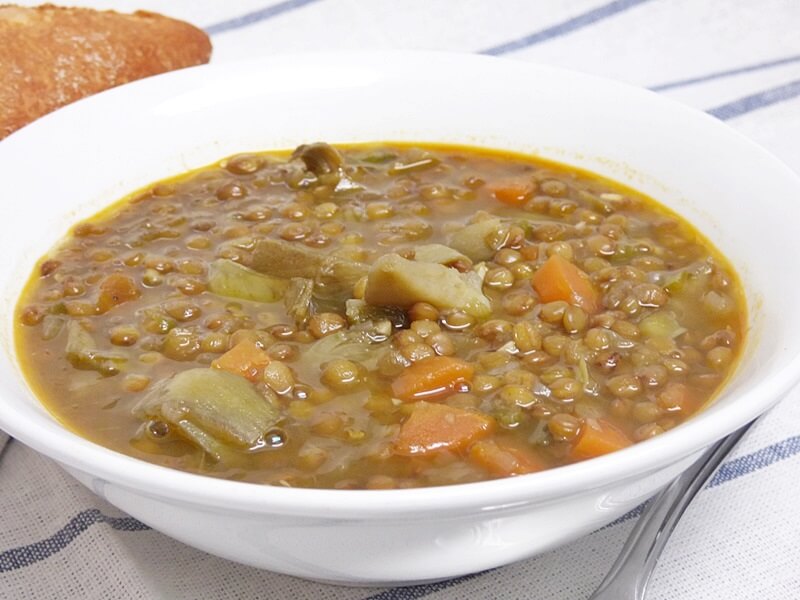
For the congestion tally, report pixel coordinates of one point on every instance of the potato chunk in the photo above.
(395, 281)
(477, 241)
(440, 254)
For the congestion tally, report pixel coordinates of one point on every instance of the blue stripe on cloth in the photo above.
(756, 461)
(573, 24)
(729, 73)
(753, 102)
(257, 16)
(23, 556)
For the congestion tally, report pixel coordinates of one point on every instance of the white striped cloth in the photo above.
(738, 59)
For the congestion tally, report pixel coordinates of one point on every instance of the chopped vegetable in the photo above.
(332, 274)
(299, 300)
(583, 372)
(503, 460)
(379, 157)
(352, 344)
(513, 194)
(440, 254)
(223, 406)
(285, 259)
(395, 281)
(228, 278)
(431, 378)
(246, 359)
(598, 437)
(433, 427)
(212, 446)
(334, 282)
(418, 165)
(661, 324)
(559, 279)
(116, 289)
(477, 240)
(690, 282)
(320, 158)
(358, 311)
(52, 326)
(82, 352)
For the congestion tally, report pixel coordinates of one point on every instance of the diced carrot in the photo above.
(513, 194)
(559, 279)
(246, 359)
(505, 460)
(431, 378)
(598, 437)
(678, 397)
(432, 427)
(116, 289)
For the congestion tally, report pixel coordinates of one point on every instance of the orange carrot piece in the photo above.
(559, 279)
(504, 460)
(432, 427)
(246, 359)
(116, 289)
(513, 194)
(598, 437)
(431, 378)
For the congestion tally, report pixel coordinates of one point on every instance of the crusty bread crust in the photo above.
(51, 56)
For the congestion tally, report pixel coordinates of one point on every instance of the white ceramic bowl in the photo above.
(70, 164)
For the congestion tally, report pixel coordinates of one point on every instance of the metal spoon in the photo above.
(628, 577)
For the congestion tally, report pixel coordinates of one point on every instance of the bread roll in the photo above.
(51, 56)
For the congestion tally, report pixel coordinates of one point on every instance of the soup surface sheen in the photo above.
(379, 316)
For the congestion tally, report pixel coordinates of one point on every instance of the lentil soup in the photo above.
(379, 316)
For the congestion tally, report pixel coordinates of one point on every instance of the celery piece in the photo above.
(583, 372)
(661, 324)
(230, 279)
(212, 446)
(299, 300)
(418, 165)
(352, 344)
(223, 406)
(334, 283)
(379, 157)
(358, 311)
(52, 326)
(83, 354)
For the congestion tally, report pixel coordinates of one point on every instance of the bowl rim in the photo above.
(48, 437)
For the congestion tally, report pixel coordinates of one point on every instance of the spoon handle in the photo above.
(628, 577)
